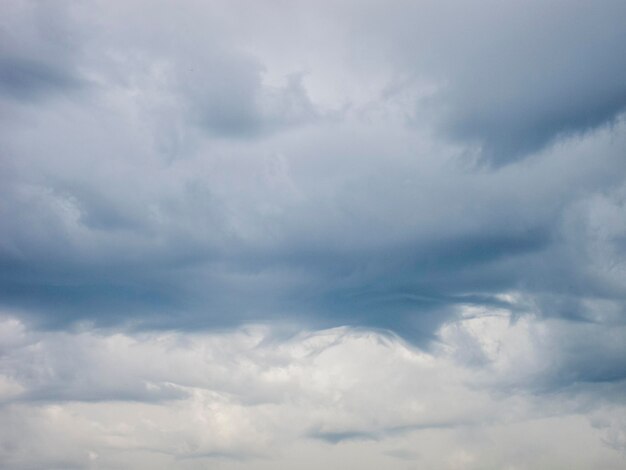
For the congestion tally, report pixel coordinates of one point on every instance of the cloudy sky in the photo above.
(292, 234)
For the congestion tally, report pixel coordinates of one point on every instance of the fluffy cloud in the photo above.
(250, 399)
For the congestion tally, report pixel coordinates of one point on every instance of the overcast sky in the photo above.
(312, 234)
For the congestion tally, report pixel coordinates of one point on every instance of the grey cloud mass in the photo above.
(509, 78)
(420, 170)
(183, 185)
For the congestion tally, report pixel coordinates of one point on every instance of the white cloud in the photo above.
(97, 399)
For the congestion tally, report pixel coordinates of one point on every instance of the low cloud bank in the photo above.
(495, 390)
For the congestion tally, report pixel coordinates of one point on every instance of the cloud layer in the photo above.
(248, 399)
(445, 174)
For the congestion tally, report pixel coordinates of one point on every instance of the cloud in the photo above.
(218, 238)
(387, 235)
(508, 79)
(37, 57)
(97, 398)
(27, 79)
(203, 180)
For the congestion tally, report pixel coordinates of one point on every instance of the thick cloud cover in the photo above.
(195, 167)
(330, 398)
(383, 166)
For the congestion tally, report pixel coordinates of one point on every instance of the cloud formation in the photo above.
(246, 399)
(367, 172)
(509, 78)
(180, 178)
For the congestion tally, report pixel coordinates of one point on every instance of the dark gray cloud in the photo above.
(24, 79)
(337, 437)
(509, 79)
(39, 52)
(223, 168)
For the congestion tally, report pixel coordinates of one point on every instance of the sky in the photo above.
(274, 234)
